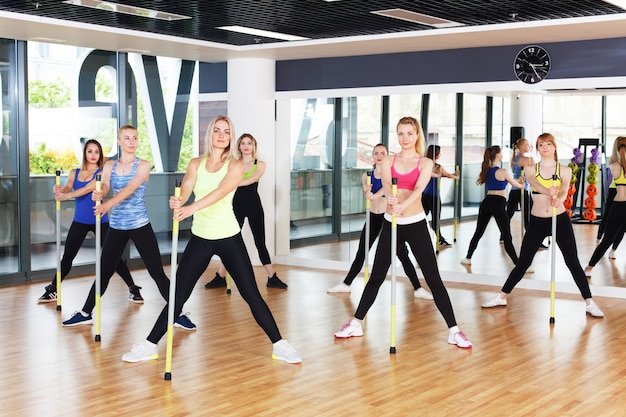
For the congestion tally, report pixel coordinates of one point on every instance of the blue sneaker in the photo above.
(184, 323)
(78, 318)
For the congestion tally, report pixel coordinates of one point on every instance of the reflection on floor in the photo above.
(490, 263)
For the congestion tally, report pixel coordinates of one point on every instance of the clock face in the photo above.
(532, 64)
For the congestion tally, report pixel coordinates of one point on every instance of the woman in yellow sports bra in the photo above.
(616, 217)
(413, 172)
(548, 193)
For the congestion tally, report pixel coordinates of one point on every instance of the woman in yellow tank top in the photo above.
(548, 193)
(213, 179)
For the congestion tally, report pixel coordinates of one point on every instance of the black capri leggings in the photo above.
(538, 229)
(416, 235)
(615, 225)
(234, 256)
(74, 240)
(376, 223)
(247, 203)
(493, 206)
(112, 249)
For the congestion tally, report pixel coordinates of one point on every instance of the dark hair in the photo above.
(100, 160)
(488, 157)
(433, 151)
(254, 145)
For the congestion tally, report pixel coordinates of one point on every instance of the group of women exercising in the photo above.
(224, 183)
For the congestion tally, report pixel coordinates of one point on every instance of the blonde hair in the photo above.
(230, 152)
(254, 145)
(516, 146)
(419, 143)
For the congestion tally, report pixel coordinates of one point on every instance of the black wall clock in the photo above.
(532, 64)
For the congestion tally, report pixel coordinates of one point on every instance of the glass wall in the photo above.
(9, 231)
(74, 96)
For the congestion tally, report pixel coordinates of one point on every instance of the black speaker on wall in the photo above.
(516, 133)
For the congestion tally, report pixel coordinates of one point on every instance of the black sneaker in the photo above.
(134, 294)
(217, 282)
(49, 296)
(274, 282)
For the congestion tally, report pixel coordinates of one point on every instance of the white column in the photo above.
(251, 89)
(527, 111)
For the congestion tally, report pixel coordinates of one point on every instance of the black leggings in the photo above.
(112, 249)
(416, 235)
(376, 223)
(247, 203)
(538, 229)
(234, 256)
(432, 203)
(74, 240)
(615, 224)
(493, 205)
(515, 201)
(607, 209)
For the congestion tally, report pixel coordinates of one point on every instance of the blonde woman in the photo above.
(413, 172)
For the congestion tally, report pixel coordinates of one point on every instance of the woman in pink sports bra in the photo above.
(408, 166)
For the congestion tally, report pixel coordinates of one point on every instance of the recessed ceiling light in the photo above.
(618, 3)
(133, 50)
(48, 40)
(420, 18)
(126, 9)
(264, 33)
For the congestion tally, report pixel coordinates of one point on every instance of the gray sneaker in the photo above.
(283, 351)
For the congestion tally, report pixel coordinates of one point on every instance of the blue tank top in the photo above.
(494, 184)
(377, 183)
(517, 172)
(131, 213)
(84, 205)
(431, 188)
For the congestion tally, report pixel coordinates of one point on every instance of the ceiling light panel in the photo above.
(126, 9)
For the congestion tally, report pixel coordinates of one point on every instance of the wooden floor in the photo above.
(520, 365)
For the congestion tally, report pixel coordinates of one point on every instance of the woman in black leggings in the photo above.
(548, 194)
(213, 179)
(128, 178)
(247, 204)
(616, 216)
(79, 186)
(494, 204)
(375, 193)
(413, 173)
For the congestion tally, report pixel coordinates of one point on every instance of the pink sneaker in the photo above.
(460, 340)
(350, 329)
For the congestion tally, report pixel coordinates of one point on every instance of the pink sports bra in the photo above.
(406, 181)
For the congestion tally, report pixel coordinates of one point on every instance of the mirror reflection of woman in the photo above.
(548, 194)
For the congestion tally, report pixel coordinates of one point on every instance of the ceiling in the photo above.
(336, 28)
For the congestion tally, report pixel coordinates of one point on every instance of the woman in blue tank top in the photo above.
(494, 204)
(430, 198)
(520, 160)
(127, 177)
(79, 186)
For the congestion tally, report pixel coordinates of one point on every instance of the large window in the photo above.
(9, 236)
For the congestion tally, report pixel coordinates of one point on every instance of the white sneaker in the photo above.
(466, 261)
(497, 301)
(612, 254)
(142, 351)
(588, 271)
(350, 329)
(422, 293)
(460, 340)
(341, 287)
(283, 351)
(593, 310)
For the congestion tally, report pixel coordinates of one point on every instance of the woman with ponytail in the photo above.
(494, 204)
